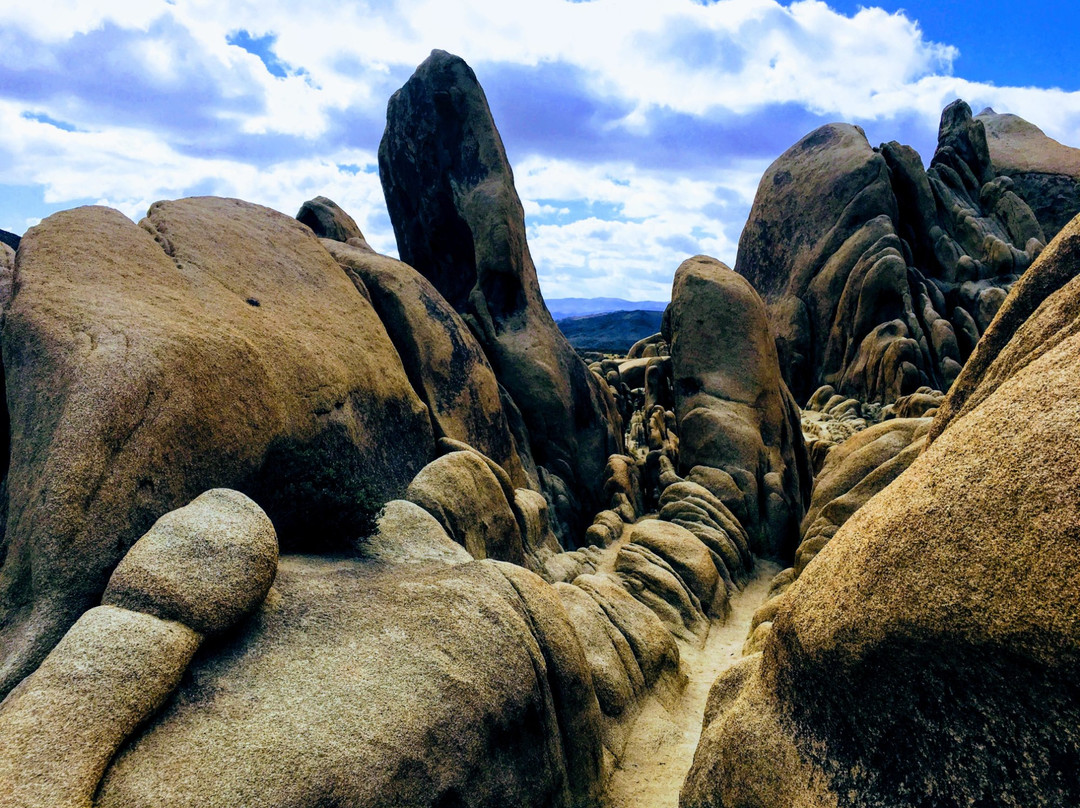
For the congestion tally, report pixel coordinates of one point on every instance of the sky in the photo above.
(637, 131)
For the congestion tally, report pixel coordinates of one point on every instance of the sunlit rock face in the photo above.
(929, 654)
(218, 344)
(458, 220)
(734, 412)
(1045, 173)
(879, 275)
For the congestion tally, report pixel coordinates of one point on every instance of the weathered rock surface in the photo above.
(654, 647)
(416, 686)
(7, 272)
(458, 220)
(653, 581)
(616, 673)
(1058, 267)
(879, 275)
(407, 534)
(929, 655)
(205, 565)
(442, 358)
(733, 410)
(218, 345)
(327, 220)
(60, 728)
(855, 471)
(462, 492)
(1045, 173)
(200, 569)
(687, 555)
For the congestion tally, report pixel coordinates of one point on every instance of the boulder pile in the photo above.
(929, 654)
(286, 522)
(880, 275)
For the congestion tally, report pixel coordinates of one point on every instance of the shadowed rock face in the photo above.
(9, 239)
(929, 655)
(1045, 173)
(327, 220)
(734, 412)
(217, 345)
(880, 276)
(442, 358)
(458, 220)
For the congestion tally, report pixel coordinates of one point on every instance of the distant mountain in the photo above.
(612, 332)
(563, 307)
(10, 239)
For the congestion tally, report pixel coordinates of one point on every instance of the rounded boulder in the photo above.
(206, 565)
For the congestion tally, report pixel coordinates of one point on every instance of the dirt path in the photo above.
(662, 742)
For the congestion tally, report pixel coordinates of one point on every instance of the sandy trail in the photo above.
(662, 742)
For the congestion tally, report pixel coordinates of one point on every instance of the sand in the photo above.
(663, 739)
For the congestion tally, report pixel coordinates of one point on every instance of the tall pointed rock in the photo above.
(458, 220)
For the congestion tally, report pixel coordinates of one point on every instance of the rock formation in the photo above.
(735, 415)
(462, 492)
(216, 345)
(466, 685)
(495, 686)
(458, 220)
(443, 360)
(280, 517)
(978, 379)
(853, 471)
(929, 654)
(9, 239)
(1045, 173)
(879, 275)
(327, 220)
(118, 664)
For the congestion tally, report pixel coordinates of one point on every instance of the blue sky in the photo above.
(637, 130)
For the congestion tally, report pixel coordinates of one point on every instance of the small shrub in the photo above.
(317, 494)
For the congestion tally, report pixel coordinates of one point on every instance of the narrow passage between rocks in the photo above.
(662, 741)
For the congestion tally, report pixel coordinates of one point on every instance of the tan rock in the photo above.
(407, 534)
(945, 611)
(615, 672)
(62, 725)
(464, 495)
(327, 220)
(405, 685)
(205, 565)
(653, 646)
(1046, 173)
(232, 352)
(650, 579)
(576, 711)
(734, 411)
(458, 220)
(442, 358)
(686, 554)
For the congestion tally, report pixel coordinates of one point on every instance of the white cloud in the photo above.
(130, 169)
(661, 220)
(728, 58)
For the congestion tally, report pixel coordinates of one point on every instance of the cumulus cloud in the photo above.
(626, 230)
(637, 130)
